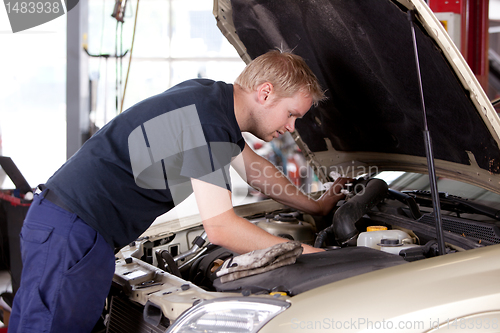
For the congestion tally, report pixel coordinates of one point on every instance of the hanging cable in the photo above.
(116, 65)
(102, 34)
(130, 59)
(121, 66)
(97, 94)
(118, 14)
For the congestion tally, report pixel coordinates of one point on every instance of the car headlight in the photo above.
(228, 315)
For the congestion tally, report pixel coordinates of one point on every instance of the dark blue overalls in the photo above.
(66, 290)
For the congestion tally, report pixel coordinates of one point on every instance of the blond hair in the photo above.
(287, 72)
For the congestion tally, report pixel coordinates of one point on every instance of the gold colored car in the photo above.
(395, 261)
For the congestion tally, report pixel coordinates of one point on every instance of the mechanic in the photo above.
(144, 162)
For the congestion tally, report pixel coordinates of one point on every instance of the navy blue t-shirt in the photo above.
(139, 165)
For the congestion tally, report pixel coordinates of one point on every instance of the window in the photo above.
(175, 41)
(33, 98)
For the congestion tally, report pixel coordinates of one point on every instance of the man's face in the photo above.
(280, 114)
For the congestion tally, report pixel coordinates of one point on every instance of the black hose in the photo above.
(165, 257)
(369, 194)
(409, 201)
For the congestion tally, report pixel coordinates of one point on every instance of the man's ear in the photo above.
(264, 92)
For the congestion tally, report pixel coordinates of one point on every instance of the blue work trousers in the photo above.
(67, 272)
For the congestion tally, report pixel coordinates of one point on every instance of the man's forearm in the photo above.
(241, 236)
(265, 177)
(227, 229)
(237, 234)
(269, 180)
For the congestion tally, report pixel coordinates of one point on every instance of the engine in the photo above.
(373, 228)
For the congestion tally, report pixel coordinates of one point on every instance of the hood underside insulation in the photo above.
(362, 53)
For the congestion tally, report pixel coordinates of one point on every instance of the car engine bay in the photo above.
(373, 228)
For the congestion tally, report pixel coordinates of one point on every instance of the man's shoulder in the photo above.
(199, 84)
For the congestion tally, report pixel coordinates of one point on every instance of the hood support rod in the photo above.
(428, 146)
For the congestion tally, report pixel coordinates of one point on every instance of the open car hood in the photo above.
(362, 53)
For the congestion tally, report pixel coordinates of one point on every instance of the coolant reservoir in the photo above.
(373, 238)
(394, 246)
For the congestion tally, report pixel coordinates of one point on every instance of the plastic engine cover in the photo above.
(314, 270)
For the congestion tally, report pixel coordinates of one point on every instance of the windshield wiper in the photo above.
(454, 203)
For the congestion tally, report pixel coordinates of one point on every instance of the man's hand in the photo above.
(310, 249)
(330, 198)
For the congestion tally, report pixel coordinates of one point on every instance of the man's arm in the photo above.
(225, 228)
(265, 177)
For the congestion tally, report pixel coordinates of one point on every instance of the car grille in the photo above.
(127, 317)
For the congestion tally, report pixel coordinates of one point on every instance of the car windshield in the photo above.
(407, 181)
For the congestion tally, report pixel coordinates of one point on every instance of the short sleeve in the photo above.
(211, 162)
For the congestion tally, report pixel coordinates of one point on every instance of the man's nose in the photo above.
(290, 125)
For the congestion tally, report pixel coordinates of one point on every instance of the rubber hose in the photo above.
(370, 193)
